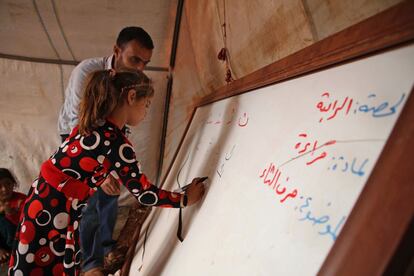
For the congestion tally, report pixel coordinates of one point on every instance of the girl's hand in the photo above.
(4, 255)
(195, 191)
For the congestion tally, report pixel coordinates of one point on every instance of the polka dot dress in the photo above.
(47, 238)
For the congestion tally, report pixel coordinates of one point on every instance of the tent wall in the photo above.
(77, 29)
(259, 32)
(31, 94)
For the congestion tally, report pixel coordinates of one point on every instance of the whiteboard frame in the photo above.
(384, 209)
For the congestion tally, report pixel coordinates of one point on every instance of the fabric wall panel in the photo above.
(82, 29)
(107, 18)
(29, 106)
(261, 32)
(21, 31)
(331, 16)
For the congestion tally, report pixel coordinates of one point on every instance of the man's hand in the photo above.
(110, 186)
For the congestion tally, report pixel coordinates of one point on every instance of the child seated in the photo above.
(11, 204)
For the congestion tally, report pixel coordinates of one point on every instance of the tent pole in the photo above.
(180, 6)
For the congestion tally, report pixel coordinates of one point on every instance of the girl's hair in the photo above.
(6, 174)
(105, 90)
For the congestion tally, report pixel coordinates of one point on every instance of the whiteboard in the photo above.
(286, 164)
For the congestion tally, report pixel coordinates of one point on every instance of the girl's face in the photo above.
(138, 110)
(6, 188)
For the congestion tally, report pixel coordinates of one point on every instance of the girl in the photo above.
(11, 204)
(48, 230)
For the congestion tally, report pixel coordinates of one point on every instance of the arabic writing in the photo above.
(381, 110)
(303, 148)
(242, 120)
(227, 157)
(271, 176)
(332, 109)
(321, 222)
(344, 165)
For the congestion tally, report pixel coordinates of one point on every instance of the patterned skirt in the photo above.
(47, 237)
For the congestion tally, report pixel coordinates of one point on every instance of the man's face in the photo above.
(132, 56)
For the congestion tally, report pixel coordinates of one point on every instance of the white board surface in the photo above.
(286, 164)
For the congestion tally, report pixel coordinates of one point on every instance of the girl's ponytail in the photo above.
(99, 100)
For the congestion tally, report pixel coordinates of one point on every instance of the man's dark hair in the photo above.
(128, 34)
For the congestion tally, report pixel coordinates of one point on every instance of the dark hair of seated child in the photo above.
(11, 204)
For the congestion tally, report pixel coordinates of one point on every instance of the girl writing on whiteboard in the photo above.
(48, 232)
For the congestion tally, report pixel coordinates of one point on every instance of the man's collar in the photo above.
(109, 62)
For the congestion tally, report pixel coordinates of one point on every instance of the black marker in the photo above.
(202, 179)
(182, 189)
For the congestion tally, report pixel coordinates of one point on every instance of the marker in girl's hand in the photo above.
(202, 179)
(199, 180)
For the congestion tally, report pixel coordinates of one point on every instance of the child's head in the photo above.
(7, 184)
(107, 90)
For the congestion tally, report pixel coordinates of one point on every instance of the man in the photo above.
(133, 50)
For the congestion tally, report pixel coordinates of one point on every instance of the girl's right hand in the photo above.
(195, 191)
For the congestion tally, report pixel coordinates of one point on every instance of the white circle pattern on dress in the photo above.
(98, 139)
(124, 158)
(60, 221)
(148, 200)
(49, 217)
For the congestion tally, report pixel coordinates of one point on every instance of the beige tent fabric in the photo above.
(89, 27)
(331, 16)
(31, 95)
(259, 32)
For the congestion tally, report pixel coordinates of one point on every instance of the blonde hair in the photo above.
(105, 90)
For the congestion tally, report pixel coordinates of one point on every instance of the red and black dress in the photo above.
(47, 236)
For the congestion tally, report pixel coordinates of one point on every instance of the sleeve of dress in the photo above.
(124, 168)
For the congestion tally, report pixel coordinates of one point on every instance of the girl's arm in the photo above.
(124, 168)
